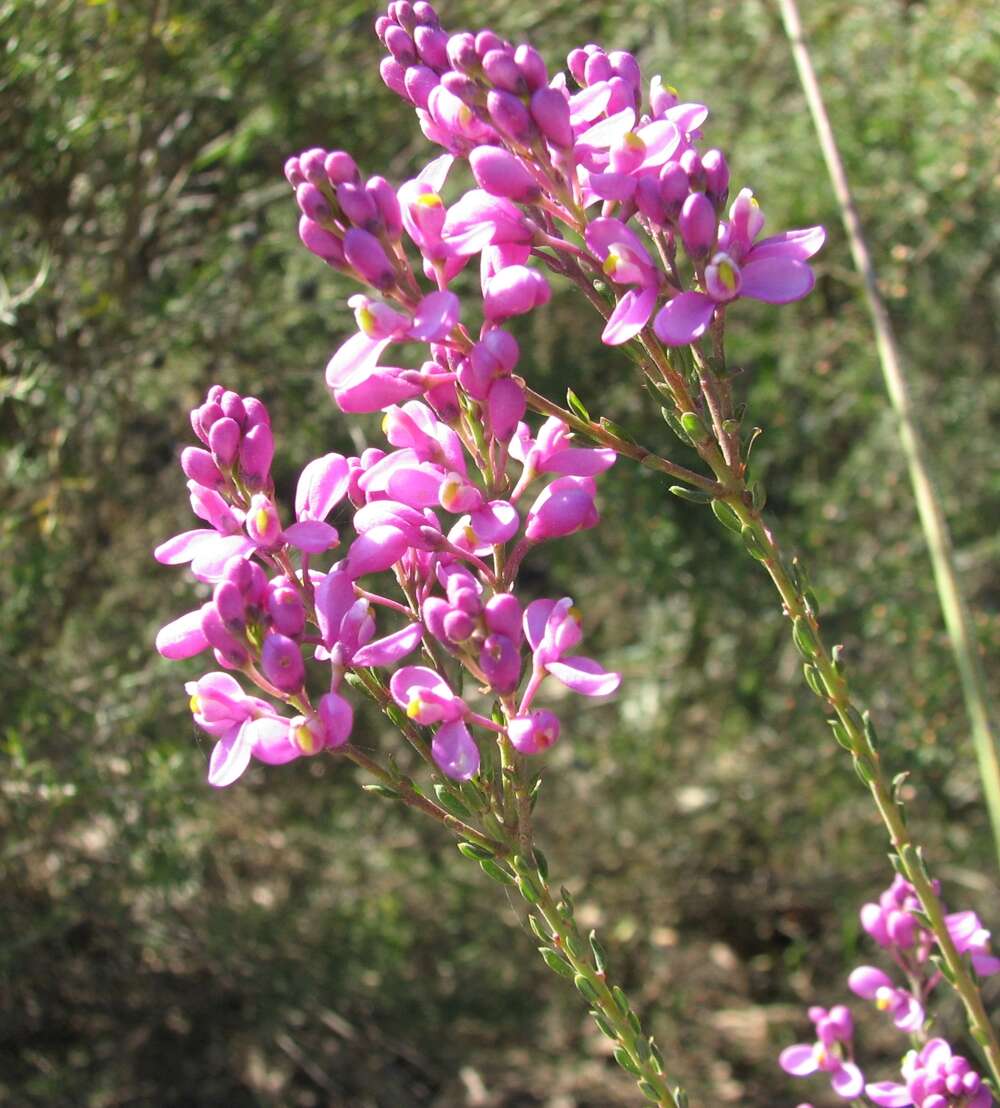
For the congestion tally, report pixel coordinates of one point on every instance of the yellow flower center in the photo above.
(430, 200)
(415, 705)
(305, 740)
(262, 519)
(195, 704)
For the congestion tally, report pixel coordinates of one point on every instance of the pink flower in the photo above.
(773, 270)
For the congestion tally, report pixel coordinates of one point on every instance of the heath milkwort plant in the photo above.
(601, 179)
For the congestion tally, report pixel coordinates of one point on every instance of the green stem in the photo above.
(636, 1053)
(932, 518)
(868, 763)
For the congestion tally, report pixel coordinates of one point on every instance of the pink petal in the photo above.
(311, 535)
(435, 172)
(798, 1060)
(630, 315)
(322, 485)
(776, 280)
(230, 757)
(585, 676)
(606, 131)
(605, 232)
(375, 391)
(455, 751)
(359, 352)
(386, 651)
(887, 1094)
(687, 117)
(612, 186)
(536, 616)
(270, 742)
(183, 547)
(578, 461)
(436, 314)
(589, 103)
(182, 638)
(848, 1081)
(376, 550)
(334, 597)
(685, 318)
(418, 486)
(662, 138)
(210, 561)
(867, 980)
(798, 245)
(912, 1018)
(495, 522)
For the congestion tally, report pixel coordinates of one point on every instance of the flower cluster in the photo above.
(933, 1077)
(421, 516)
(531, 139)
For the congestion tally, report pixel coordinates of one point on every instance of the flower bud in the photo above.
(224, 441)
(500, 661)
(597, 68)
(419, 82)
(514, 291)
(394, 76)
(340, 168)
(229, 603)
(400, 46)
(502, 72)
(312, 203)
(256, 453)
(533, 733)
(365, 254)
(487, 40)
(697, 224)
(509, 115)
(432, 46)
(281, 662)
(532, 67)
(716, 170)
(499, 173)
(357, 205)
(293, 172)
(321, 242)
(461, 51)
(576, 62)
(201, 468)
(311, 164)
(287, 612)
(550, 111)
(690, 162)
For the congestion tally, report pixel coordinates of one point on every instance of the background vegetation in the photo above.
(289, 941)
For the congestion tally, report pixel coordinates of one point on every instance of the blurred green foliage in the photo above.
(291, 942)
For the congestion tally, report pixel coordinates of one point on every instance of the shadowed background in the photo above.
(291, 941)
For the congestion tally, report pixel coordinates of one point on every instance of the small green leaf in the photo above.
(451, 804)
(529, 890)
(814, 680)
(871, 735)
(754, 543)
(693, 427)
(556, 962)
(498, 873)
(474, 851)
(863, 768)
(649, 1092)
(542, 864)
(602, 1023)
(576, 405)
(621, 1000)
(600, 954)
(383, 791)
(726, 516)
(694, 496)
(586, 989)
(758, 495)
(840, 734)
(804, 639)
(616, 430)
(624, 1059)
(539, 931)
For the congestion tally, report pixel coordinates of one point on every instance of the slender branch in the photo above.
(621, 446)
(932, 518)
